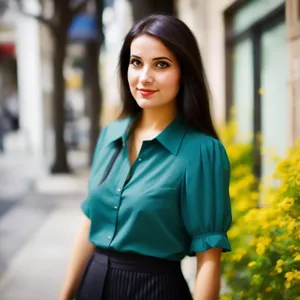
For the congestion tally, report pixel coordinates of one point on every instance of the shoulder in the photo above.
(115, 129)
(199, 147)
(119, 124)
(200, 141)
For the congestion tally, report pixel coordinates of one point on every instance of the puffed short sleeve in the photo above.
(99, 144)
(205, 204)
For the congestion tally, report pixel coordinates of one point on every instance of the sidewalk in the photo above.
(37, 269)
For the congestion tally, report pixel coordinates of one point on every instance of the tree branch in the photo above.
(76, 6)
(40, 18)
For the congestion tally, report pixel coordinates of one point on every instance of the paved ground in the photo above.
(39, 215)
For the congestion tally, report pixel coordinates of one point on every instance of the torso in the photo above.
(136, 140)
(140, 208)
(134, 147)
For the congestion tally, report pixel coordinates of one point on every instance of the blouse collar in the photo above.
(170, 138)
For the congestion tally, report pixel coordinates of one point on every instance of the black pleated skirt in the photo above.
(114, 275)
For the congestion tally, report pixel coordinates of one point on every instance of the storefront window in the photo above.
(258, 77)
(273, 98)
(251, 12)
(242, 89)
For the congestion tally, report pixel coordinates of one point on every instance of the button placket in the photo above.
(119, 188)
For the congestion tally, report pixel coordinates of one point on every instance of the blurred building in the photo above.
(7, 54)
(21, 80)
(8, 73)
(26, 49)
(251, 51)
(117, 20)
(250, 48)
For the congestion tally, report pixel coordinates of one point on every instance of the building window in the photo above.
(256, 79)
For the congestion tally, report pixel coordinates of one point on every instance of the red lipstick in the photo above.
(146, 92)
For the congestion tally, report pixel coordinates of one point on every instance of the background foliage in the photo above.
(265, 234)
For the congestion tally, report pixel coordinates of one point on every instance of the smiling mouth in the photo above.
(146, 93)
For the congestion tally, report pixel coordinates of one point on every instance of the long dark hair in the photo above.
(193, 101)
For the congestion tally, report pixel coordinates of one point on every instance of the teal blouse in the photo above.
(173, 201)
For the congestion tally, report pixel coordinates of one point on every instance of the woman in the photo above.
(158, 188)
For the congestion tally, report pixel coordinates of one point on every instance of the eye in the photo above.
(135, 62)
(162, 64)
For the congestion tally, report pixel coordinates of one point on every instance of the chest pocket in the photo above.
(162, 193)
(161, 198)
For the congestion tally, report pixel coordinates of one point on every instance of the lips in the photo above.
(146, 92)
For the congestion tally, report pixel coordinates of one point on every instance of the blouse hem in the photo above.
(209, 241)
(85, 208)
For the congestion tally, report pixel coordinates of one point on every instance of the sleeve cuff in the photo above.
(210, 240)
(85, 208)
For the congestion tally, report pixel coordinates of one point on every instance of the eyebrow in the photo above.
(156, 58)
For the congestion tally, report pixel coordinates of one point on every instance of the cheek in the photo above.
(132, 78)
(171, 81)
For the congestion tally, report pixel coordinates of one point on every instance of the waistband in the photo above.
(135, 262)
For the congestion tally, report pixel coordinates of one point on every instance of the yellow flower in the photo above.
(268, 289)
(251, 264)
(225, 297)
(289, 276)
(280, 262)
(298, 180)
(238, 254)
(279, 265)
(286, 204)
(291, 226)
(233, 233)
(288, 285)
(260, 249)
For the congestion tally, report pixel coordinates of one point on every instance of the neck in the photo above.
(156, 119)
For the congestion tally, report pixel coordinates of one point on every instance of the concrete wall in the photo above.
(293, 40)
(117, 21)
(29, 79)
(205, 18)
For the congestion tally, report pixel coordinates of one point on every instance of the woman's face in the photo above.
(153, 73)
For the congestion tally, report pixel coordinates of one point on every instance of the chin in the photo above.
(144, 104)
(151, 104)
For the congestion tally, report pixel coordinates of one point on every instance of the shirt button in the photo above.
(140, 159)
(109, 237)
(119, 190)
(115, 207)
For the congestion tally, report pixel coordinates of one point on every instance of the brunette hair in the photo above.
(193, 101)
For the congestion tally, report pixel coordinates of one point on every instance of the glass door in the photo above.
(273, 95)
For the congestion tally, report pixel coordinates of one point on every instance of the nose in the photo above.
(146, 76)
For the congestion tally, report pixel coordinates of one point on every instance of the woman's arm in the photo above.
(81, 253)
(207, 284)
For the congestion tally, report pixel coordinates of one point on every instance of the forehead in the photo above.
(149, 46)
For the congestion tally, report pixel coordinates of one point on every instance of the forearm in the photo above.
(81, 253)
(207, 283)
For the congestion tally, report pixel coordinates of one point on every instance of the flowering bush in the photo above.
(265, 261)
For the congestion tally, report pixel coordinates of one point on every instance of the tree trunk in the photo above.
(94, 94)
(142, 8)
(93, 83)
(60, 164)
